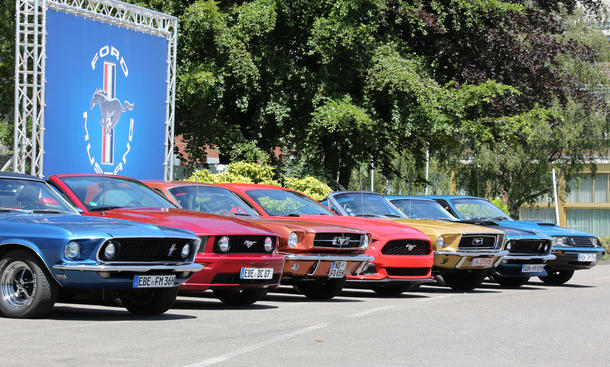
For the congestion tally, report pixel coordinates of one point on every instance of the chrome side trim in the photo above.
(529, 257)
(357, 258)
(136, 268)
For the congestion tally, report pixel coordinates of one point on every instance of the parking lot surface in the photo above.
(535, 325)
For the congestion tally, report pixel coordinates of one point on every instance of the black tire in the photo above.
(557, 277)
(324, 289)
(239, 297)
(506, 282)
(150, 301)
(391, 290)
(464, 280)
(27, 290)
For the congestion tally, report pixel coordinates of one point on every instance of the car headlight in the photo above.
(186, 250)
(364, 241)
(596, 242)
(440, 242)
(202, 241)
(268, 244)
(508, 246)
(110, 251)
(224, 244)
(293, 240)
(72, 250)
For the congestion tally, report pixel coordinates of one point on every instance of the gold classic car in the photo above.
(463, 252)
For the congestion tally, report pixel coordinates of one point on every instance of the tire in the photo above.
(464, 280)
(391, 290)
(239, 297)
(511, 282)
(557, 277)
(150, 301)
(27, 290)
(324, 289)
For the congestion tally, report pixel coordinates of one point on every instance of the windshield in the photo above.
(472, 208)
(30, 196)
(105, 193)
(286, 203)
(210, 199)
(424, 209)
(367, 205)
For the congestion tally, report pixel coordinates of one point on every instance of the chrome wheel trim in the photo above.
(18, 285)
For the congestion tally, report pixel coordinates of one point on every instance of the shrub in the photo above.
(310, 186)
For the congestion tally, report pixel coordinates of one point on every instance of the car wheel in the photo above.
(511, 282)
(391, 290)
(239, 297)
(26, 289)
(150, 301)
(325, 289)
(464, 280)
(557, 277)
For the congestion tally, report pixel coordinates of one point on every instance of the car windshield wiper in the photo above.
(49, 211)
(293, 215)
(391, 215)
(369, 215)
(242, 214)
(104, 208)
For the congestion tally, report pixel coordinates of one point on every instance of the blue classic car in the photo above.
(573, 249)
(528, 251)
(48, 249)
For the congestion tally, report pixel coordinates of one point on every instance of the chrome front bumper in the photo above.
(530, 257)
(131, 268)
(319, 258)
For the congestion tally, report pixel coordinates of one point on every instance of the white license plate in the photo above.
(587, 257)
(532, 268)
(256, 273)
(337, 269)
(154, 281)
(482, 261)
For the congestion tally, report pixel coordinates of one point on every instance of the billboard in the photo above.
(105, 97)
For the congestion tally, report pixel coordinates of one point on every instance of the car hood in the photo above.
(377, 227)
(200, 223)
(549, 229)
(511, 232)
(439, 227)
(75, 225)
(308, 226)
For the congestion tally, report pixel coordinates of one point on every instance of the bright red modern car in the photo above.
(318, 255)
(240, 259)
(403, 255)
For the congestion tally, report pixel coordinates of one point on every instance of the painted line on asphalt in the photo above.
(436, 297)
(373, 310)
(253, 347)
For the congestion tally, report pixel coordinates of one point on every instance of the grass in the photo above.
(606, 243)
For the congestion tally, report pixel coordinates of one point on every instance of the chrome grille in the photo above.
(337, 240)
(478, 241)
(529, 246)
(148, 249)
(580, 241)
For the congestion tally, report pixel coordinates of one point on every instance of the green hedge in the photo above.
(606, 243)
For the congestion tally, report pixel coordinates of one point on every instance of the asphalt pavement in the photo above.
(536, 325)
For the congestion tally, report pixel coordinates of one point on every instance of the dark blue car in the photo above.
(573, 249)
(528, 251)
(47, 250)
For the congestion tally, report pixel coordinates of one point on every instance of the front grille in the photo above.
(407, 272)
(530, 246)
(406, 248)
(580, 241)
(337, 240)
(147, 249)
(233, 278)
(477, 241)
(244, 244)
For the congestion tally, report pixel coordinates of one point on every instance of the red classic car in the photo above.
(240, 259)
(403, 255)
(318, 255)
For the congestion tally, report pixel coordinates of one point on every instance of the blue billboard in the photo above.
(105, 99)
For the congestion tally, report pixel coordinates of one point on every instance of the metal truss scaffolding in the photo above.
(30, 57)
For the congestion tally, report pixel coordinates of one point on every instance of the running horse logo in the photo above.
(111, 110)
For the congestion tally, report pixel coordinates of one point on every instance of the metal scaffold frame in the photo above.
(30, 58)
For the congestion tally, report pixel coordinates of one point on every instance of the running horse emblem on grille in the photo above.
(171, 250)
(410, 247)
(340, 240)
(477, 241)
(249, 244)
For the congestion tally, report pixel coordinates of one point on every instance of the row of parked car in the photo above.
(85, 236)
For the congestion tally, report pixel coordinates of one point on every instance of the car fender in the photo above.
(28, 246)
